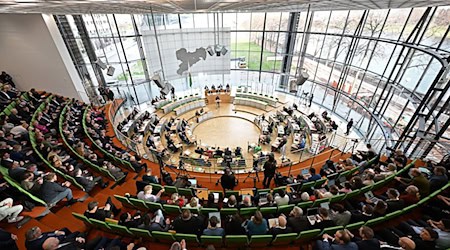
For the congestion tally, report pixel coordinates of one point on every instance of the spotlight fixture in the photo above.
(210, 50)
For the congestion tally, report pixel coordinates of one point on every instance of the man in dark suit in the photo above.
(228, 181)
(52, 192)
(35, 238)
(187, 223)
(297, 221)
(367, 214)
(367, 241)
(394, 203)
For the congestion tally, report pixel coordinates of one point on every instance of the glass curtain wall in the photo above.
(375, 66)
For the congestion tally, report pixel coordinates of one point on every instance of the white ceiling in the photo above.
(188, 6)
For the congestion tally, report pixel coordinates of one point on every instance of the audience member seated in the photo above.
(417, 180)
(365, 214)
(341, 241)
(38, 240)
(297, 221)
(438, 179)
(10, 211)
(101, 213)
(233, 225)
(89, 182)
(424, 239)
(187, 223)
(155, 223)
(213, 229)
(324, 220)
(52, 192)
(281, 198)
(147, 195)
(149, 178)
(281, 228)
(8, 240)
(257, 225)
(193, 203)
(410, 196)
(129, 221)
(340, 215)
(231, 203)
(367, 240)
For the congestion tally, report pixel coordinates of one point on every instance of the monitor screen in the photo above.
(325, 205)
(312, 211)
(305, 171)
(193, 182)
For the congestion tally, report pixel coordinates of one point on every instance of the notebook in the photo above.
(273, 222)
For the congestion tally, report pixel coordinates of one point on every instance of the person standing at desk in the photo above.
(269, 170)
(218, 101)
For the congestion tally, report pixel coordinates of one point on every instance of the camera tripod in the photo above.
(254, 175)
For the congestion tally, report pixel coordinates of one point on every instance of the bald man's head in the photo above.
(50, 243)
(282, 221)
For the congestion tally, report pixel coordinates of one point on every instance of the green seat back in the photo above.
(228, 193)
(100, 225)
(319, 183)
(374, 221)
(206, 211)
(122, 230)
(365, 189)
(154, 206)
(228, 211)
(305, 204)
(186, 192)
(170, 189)
(264, 190)
(307, 235)
(285, 209)
(189, 238)
(307, 186)
(236, 241)
(352, 194)
(393, 214)
(260, 240)
(216, 241)
(337, 198)
(355, 225)
(163, 237)
(278, 189)
(172, 209)
(319, 201)
(331, 230)
(141, 233)
(246, 211)
(82, 218)
(410, 208)
(124, 200)
(284, 239)
(268, 210)
(138, 204)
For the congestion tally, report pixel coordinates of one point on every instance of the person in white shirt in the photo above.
(281, 198)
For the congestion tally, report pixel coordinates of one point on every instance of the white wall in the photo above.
(33, 53)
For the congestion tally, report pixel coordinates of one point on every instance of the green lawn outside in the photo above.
(253, 57)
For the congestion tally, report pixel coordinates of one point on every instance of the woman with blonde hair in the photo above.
(193, 203)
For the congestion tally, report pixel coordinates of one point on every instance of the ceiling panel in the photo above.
(189, 6)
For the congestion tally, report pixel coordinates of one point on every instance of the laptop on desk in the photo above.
(305, 173)
(311, 214)
(263, 198)
(370, 196)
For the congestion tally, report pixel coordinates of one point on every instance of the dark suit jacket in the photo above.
(372, 244)
(298, 224)
(395, 205)
(49, 190)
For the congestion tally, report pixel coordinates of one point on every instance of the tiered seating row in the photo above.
(104, 152)
(242, 240)
(93, 166)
